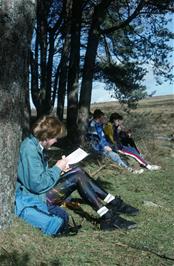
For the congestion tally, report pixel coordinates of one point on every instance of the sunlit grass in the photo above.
(151, 243)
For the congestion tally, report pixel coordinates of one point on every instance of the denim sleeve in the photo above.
(34, 174)
(102, 140)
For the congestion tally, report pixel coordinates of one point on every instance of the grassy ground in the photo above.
(151, 243)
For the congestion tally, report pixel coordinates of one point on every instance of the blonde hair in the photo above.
(48, 127)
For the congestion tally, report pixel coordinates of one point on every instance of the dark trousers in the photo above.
(77, 179)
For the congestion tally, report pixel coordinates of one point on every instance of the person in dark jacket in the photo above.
(39, 187)
(121, 137)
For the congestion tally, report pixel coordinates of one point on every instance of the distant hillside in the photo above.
(155, 104)
(157, 111)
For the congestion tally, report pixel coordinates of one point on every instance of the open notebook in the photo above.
(76, 156)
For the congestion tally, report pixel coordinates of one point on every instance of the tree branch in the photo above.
(128, 20)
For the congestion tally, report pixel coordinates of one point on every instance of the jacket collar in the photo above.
(36, 142)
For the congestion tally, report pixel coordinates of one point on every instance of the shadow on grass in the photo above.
(79, 210)
(16, 259)
(13, 258)
(103, 184)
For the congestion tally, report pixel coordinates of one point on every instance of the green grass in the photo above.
(151, 243)
(24, 245)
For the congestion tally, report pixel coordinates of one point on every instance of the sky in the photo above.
(99, 94)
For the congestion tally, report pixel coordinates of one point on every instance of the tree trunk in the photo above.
(89, 65)
(63, 77)
(49, 99)
(17, 19)
(62, 87)
(73, 74)
(41, 66)
(26, 121)
(43, 43)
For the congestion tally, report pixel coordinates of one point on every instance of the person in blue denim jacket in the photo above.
(39, 187)
(100, 144)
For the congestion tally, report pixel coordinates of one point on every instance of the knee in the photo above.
(116, 155)
(81, 175)
(78, 170)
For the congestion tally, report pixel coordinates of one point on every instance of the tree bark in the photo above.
(63, 68)
(73, 72)
(89, 65)
(17, 19)
(62, 87)
(42, 61)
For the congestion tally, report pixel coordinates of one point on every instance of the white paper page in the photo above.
(76, 156)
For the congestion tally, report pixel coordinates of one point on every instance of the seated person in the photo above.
(99, 143)
(39, 187)
(123, 141)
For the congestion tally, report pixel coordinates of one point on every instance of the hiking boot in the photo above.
(153, 167)
(116, 222)
(119, 206)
